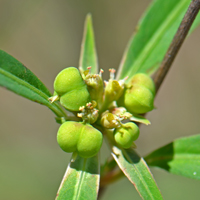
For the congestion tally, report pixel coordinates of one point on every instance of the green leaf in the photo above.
(16, 77)
(181, 157)
(88, 55)
(81, 180)
(137, 171)
(153, 36)
(140, 119)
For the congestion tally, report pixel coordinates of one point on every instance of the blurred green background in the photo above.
(46, 37)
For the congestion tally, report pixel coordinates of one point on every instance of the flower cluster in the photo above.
(100, 108)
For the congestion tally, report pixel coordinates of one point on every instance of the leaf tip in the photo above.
(89, 18)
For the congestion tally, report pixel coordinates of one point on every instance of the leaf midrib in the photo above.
(144, 53)
(80, 180)
(14, 78)
(140, 176)
(24, 83)
(180, 156)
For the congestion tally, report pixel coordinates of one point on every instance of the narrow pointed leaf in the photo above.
(137, 171)
(140, 119)
(181, 157)
(16, 77)
(81, 180)
(153, 36)
(88, 55)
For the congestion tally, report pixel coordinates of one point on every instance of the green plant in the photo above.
(103, 115)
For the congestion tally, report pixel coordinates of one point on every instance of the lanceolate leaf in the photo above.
(153, 36)
(88, 57)
(140, 119)
(181, 157)
(16, 77)
(137, 171)
(81, 180)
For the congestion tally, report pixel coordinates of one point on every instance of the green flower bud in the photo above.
(68, 79)
(95, 87)
(89, 142)
(74, 99)
(68, 136)
(109, 120)
(143, 80)
(125, 135)
(113, 90)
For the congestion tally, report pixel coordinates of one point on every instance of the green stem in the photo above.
(111, 177)
(57, 109)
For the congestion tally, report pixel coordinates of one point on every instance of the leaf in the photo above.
(181, 157)
(88, 55)
(16, 77)
(137, 171)
(152, 37)
(81, 180)
(140, 119)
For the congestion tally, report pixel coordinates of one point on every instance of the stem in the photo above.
(104, 106)
(176, 43)
(111, 177)
(57, 109)
(173, 49)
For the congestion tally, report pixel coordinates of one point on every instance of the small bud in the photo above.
(94, 84)
(53, 98)
(121, 112)
(94, 80)
(89, 113)
(113, 90)
(109, 120)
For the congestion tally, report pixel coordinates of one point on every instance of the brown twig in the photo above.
(176, 43)
(173, 49)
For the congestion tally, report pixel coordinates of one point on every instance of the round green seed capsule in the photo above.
(71, 89)
(143, 80)
(123, 138)
(74, 99)
(68, 79)
(89, 142)
(138, 99)
(125, 135)
(68, 135)
(133, 129)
